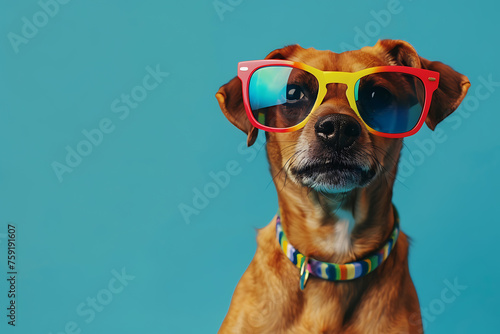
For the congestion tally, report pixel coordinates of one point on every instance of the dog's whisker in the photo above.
(394, 161)
(286, 166)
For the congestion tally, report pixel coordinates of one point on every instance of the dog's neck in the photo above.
(337, 227)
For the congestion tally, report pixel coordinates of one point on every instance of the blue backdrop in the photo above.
(109, 130)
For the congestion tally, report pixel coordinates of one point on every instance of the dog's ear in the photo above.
(230, 98)
(284, 53)
(452, 88)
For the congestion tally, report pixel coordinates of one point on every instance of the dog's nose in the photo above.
(337, 130)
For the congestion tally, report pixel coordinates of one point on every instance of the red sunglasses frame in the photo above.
(430, 80)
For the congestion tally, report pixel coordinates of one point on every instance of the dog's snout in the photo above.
(337, 130)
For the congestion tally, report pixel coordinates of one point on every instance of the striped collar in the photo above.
(335, 271)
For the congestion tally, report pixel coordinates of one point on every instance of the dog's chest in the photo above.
(338, 242)
(343, 228)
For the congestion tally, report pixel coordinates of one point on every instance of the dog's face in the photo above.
(334, 152)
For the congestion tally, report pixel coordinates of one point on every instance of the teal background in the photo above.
(119, 208)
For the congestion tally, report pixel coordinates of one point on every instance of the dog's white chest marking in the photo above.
(343, 228)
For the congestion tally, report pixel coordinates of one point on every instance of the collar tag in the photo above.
(304, 273)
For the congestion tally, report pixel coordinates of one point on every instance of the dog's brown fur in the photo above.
(268, 298)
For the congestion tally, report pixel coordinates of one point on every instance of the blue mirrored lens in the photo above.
(390, 102)
(281, 96)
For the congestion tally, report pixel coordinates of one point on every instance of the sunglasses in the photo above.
(281, 95)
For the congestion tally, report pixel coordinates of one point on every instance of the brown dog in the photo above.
(335, 227)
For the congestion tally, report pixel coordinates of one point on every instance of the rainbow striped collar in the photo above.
(335, 271)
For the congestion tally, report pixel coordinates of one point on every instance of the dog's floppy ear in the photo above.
(230, 98)
(452, 88)
(284, 53)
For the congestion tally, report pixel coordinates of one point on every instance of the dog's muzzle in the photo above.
(334, 164)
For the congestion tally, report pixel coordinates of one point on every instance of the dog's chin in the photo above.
(333, 178)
